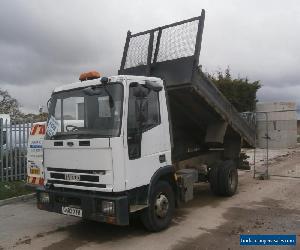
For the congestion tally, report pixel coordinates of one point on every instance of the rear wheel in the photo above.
(224, 179)
(159, 214)
(214, 179)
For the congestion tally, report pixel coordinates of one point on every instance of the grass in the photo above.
(10, 189)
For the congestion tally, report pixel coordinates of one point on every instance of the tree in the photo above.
(240, 92)
(36, 117)
(9, 105)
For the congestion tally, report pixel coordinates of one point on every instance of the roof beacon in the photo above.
(89, 75)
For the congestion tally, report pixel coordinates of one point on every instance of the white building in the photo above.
(281, 125)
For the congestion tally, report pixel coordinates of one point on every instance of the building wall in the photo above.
(281, 125)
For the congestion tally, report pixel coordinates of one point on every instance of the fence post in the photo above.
(15, 149)
(19, 152)
(1, 149)
(23, 152)
(6, 152)
(11, 152)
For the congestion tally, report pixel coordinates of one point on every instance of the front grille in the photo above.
(76, 170)
(67, 201)
(82, 184)
(91, 178)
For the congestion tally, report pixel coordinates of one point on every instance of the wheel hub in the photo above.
(161, 205)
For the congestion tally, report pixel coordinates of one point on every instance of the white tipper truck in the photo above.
(139, 141)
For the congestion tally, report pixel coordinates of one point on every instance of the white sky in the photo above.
(48, 43)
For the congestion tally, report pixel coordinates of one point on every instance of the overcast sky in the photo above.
(48, 43)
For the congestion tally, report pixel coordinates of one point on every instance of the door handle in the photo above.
(162, 158)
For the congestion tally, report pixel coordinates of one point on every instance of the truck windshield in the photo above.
(89, 112)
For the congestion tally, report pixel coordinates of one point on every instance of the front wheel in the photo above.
(160, 212)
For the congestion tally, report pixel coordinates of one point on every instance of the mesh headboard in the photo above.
(170, 52)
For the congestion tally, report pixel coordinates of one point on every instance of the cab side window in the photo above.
(149, 106)
(153, 111)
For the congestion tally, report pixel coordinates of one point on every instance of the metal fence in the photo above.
(276, 136)
(13, 149)
(171, 42)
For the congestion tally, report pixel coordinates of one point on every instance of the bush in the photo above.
(240, 92)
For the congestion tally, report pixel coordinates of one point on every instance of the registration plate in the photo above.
(35, 171)
(72, 211)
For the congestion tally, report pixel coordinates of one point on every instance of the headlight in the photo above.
(44, 197)
(108, 207)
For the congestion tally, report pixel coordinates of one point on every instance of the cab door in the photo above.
(146, 135)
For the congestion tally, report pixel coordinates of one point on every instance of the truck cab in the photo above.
(106, 136)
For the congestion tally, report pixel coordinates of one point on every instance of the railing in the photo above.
(13, 149)
(171, 42)
(250, 117)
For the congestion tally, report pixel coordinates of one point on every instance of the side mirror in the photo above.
(141, 111)
(153, 86)
(141, 103)
(49, 103)
(139, 90)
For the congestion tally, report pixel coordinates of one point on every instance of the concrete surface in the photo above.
(208, 222)
(275, 156)
(13, 200)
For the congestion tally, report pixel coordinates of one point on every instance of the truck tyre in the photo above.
(223, 179)
(228, 179)
(214, 180)
(161, 207)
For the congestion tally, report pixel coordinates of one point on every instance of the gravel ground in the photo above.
(208, 222)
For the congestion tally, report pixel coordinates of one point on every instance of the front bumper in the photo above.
(89, 203)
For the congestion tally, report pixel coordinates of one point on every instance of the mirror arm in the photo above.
(111, 100)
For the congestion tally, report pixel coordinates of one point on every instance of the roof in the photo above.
(118, 78)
